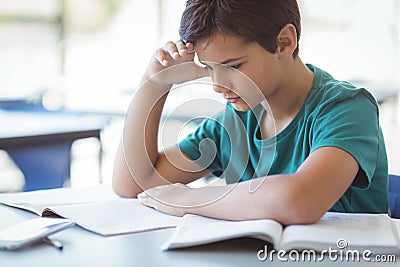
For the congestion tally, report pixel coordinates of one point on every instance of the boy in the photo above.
(326, 150)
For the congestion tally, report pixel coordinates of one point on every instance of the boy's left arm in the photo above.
(298, 198)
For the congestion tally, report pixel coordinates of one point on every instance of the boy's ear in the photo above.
(286, 41)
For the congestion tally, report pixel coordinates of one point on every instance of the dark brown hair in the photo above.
(253, 20)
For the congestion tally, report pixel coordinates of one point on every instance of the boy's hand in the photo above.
(171, 199)
(174, 64)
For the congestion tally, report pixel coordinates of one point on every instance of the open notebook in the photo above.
(376, 232)
(96, 209)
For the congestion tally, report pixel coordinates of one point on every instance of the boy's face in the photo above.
(227, 58)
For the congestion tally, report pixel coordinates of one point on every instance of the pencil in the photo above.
(54, 243)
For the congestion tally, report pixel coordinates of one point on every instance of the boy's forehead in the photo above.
(218, 47)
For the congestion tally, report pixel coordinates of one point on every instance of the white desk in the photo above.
(83, 248)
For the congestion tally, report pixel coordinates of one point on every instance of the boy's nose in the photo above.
(220, 78)
(220, 88)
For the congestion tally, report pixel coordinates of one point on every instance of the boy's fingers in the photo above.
(173, 51)
(190, 48)
(171, 48)
(161, 56)
(181, 47)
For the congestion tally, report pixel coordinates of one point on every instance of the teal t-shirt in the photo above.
(335, 113)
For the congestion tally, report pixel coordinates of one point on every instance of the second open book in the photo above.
(376, 232)
(96, 209)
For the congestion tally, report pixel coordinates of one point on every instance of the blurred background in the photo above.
(85, 58)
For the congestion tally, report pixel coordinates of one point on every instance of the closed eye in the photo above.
(236, 66)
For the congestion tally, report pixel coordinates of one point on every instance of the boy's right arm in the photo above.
(138, 163)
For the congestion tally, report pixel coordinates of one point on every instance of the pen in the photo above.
(54, 243)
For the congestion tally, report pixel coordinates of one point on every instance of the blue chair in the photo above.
(394, 196)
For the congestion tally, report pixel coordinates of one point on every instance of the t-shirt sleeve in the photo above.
(202, 146)
(352, 125)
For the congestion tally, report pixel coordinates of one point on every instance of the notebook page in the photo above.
(358, 230)
(119, 216)
(37, 201)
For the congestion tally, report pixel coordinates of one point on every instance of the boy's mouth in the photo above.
(232, 99)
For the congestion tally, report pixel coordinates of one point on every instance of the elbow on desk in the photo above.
(123, 184)
(301, 215)
(125, 187)
(299, 208)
